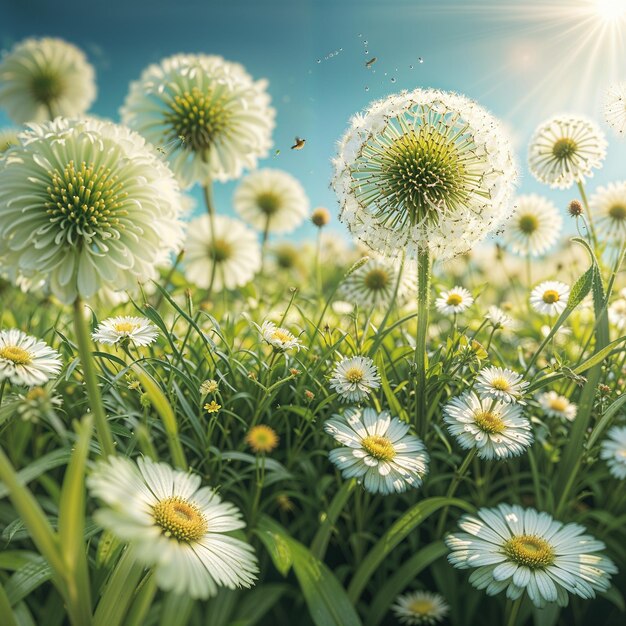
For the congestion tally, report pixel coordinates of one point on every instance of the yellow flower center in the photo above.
(529, 551)
(222, 250)
(454, 299)
(489, 422)
(376, 279)
(564, 148)
(528, 224)
(354, 374)
(558, 404)
(268, 202)
(262, 438)
(500, 383)
(618, 212)
(19, 356)
(379, 447)
(180, 519)
(421, 607)
(551, 296)
(280, 334)
(125, 327)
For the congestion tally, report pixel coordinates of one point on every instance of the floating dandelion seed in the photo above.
(421, 60)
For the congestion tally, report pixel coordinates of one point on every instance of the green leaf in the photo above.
(614, 595)
(605, 420)
(5, 609)
(37, 468)
(273, 538)
(253, 605)
(27, 579)
(398, 531)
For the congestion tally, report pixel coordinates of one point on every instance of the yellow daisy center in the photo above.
(376, 279)
(489, 422)
(558, 404)
(528, 224)
(421, 607)
(262, 438)
(454, 299)
(379, 447)
(529, 551)
(268, 202)
(180, 519)
(221, 250)
(354, 374)
(551, 296)
(564, 148)
(500, 383)
(19, 356)
(280, 334)
(618, 212)
(125, 327)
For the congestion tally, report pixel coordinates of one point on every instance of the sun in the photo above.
(611, 10)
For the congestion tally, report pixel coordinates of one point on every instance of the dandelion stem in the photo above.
(207, 189)
(318, 267)
(266, 232)
(83, 340)
(588, 216)
(423, 303)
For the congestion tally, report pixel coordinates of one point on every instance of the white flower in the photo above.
(617, 311)
(237, 253)
(614, 451)
(86, 204)
(373, 284)
(271, 199)
(500, 319)
(555, 405)
(535, 227)
(424, 168)
(500, 384)
(565, 150)
(517, 550)
(43, 78)
(550, 297)
(497, 430)
(608, 206)
(455, 300)
(279, 338)
(173, 525)
(615, 107)
(377, 450)
(207, 114)
(137, 330)
(420, 607)
(25, 360)
(354, 378)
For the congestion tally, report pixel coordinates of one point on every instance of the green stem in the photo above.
(266, 234)
(3, 385)
(453, 487)
(318, 266)
(423, 304)
(107, 446)
(588, 216)
(515, 607)
(208, 201)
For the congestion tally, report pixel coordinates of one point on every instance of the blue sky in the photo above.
(524, 60)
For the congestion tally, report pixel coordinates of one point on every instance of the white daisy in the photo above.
(25, 360)
(378, 450)
(550, 297)
(137, 330)
(279, 338)
(614, 451)
(535, 227)
(565, 150)
(208, 115)
(617, 311)
(237, 253)
(455, 300)
(43, 78)
(521, 550)
(608, 205)
(501, 384)
(555, 405)
(271, 199)
(615, 107)
(497, 430)
(354, 378)
(374, 283)
(420, 607)
(500, 319)
(424, 168)
(86, 204)
(173, 525)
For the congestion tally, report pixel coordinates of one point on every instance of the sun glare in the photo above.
(611, 10)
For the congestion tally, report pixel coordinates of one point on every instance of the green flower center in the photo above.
(180, 519)
(286, 256)
(84, 200)
(454, 299)
(221, 250)
(47, 86)
(528, 224)
(354, 375)
(197, 119)
(379, 447)
(268, 202)
(376, 279)
(551, 296)
(618, 212)
(564, 148)
(529, 551)
(19, 356)
(489, 422)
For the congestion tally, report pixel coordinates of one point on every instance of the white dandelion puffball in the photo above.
(279, 338)
(615, 107)
(555, 405)
(613, 451)
(501, 384)
(86, 204)
(43, 78)
(453, 301)
(565, 150)
(354, 378)
(378, 450)
(420, 608)
(234, 248)
(25, 360)
(608, 206)
(208, 116)
(535, 227)
(497, 430)
(271, 199)
(550, 297)
(374, 283)
(123, 329)
(173, 525)
(521, 550)
(424, 168)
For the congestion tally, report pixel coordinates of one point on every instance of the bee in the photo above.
(371, 62)
(299, 144)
